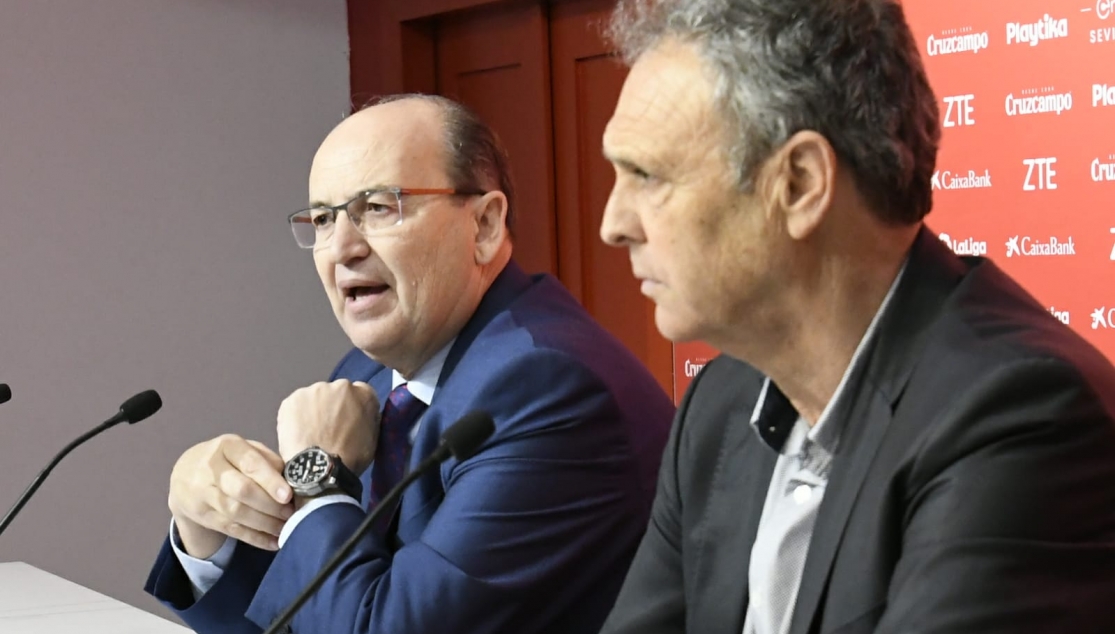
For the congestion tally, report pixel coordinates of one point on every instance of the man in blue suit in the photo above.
(409, 226)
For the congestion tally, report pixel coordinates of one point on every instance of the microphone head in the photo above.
(141, 406)
(5, 393)
(464, 437)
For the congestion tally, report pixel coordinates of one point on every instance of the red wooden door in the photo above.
(496, 61)
(586, 84)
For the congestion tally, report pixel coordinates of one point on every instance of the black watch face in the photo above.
(308, 467)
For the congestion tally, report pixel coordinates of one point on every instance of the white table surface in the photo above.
(36, 602)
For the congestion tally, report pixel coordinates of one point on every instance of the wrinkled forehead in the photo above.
(667, 101)
(398, 144)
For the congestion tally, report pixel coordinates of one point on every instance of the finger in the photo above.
(252, 537)
(237, 514)
(274, 459)
(241, 489)
(247, 459)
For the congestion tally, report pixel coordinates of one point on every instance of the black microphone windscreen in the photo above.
(5, 393)
(464, 437)
(141, 406)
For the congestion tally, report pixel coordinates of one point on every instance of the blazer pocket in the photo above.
(864, 623)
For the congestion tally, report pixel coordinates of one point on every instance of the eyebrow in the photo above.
(318, 203)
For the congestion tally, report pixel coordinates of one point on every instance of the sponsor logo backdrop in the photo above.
(1026, 171)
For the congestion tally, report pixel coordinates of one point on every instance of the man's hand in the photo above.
(232, 487)
(341, 417)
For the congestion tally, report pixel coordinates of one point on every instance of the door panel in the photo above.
(586, 83)
(495, 60)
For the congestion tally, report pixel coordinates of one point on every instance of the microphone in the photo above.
(133, 410)
(461, 441)
(5, 393)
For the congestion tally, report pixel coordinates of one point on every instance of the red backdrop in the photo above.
(1026, 169)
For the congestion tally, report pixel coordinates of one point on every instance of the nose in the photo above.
(620, 226)
(348, 242)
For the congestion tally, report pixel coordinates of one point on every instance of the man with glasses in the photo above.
(408, 225)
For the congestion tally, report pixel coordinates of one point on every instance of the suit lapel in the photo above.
(870, 416)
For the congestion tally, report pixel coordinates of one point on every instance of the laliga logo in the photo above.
(1103, 318)
(1061, 315)
(1029, 247)
(1045, 29)
(967, 246)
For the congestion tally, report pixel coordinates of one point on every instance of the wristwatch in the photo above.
(314, 471)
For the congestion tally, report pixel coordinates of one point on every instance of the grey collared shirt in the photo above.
(796, 489)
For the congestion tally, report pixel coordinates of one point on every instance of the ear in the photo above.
(490, 215)
(804, 177)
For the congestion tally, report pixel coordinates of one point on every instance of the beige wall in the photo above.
(149, 153)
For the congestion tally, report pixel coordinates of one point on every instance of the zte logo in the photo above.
(1039, 174)
(959, 112)
(1045, 29)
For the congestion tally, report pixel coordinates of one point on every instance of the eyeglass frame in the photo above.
(399, 192)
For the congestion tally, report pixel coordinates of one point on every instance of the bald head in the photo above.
(398, 143)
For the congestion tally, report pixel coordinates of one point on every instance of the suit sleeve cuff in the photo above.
(310, 507)
(202, 573)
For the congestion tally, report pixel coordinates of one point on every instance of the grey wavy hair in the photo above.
(847, 69)
(476, 157)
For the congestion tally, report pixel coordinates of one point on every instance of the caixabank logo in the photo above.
(963, 179)
(961, 40)
(1034, 33)
(965, 246)
(1045, 100)
(1025, 246)
(1104, 32)
(1103, 318)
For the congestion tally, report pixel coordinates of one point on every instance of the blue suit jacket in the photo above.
(532, 534)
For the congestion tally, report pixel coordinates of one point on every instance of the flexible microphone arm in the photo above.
(133, 410)
(461, 441)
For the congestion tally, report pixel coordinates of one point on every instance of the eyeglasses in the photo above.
(369, 211)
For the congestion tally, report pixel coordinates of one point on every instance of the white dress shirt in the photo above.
(796, 489)
(204, 573)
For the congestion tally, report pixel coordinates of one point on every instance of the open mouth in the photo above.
(357, 293)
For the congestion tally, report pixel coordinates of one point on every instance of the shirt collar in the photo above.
(773, 417)
(424, 382)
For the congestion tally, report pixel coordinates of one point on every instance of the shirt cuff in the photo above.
(202, 573)
(316, 503)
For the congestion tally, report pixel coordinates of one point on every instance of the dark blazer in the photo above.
(973, 490)
(532, 534)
